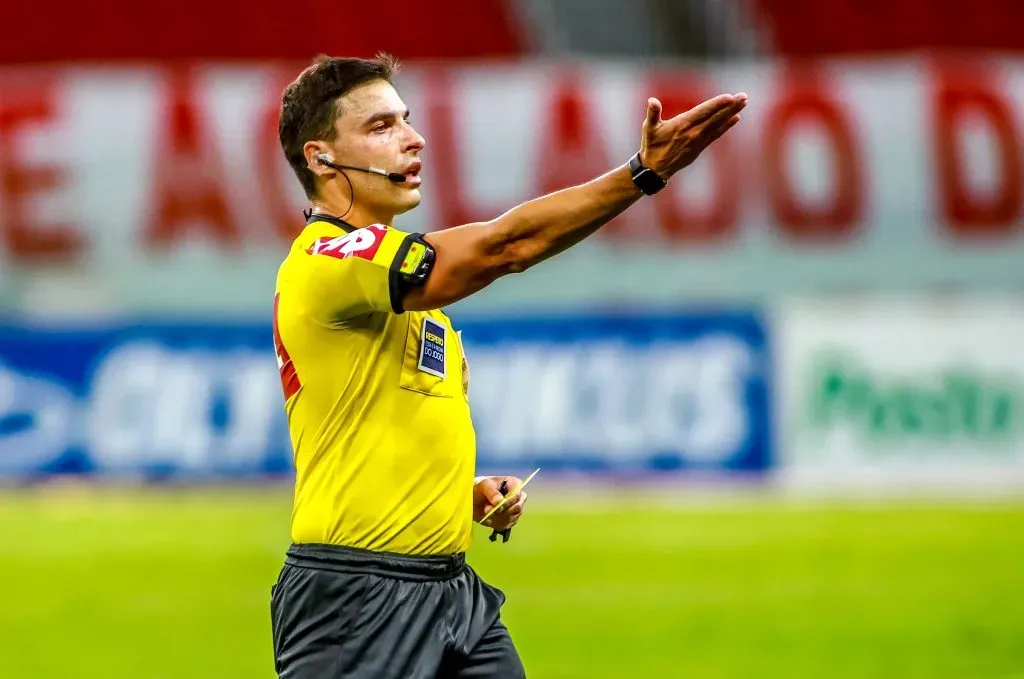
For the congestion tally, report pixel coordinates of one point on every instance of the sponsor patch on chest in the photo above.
(432, 348)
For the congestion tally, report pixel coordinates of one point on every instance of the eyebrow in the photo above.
(385, 115)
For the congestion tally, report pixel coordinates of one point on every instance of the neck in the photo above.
(359, 214)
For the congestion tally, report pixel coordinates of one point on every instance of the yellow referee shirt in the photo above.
(376, 398)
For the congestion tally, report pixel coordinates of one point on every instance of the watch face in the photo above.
(646, 179)
(649, 181)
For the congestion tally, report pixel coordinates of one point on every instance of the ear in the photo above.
(312, 149)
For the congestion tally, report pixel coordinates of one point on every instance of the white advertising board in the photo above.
(901, 392)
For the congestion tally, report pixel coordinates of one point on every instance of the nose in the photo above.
(414, 140)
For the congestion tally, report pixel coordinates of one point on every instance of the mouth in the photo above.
(412, 173)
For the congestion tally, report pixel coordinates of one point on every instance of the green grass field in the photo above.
(151, 584)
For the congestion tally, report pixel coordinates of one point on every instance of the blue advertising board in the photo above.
(596, 393)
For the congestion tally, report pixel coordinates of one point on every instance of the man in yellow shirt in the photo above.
(376, 382)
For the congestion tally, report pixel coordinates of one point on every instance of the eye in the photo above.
(379, 127)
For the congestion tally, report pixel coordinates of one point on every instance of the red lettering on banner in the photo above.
(961, 94)
(22, 107)
(719, 220)
(453, 206)
(188, 193)
(804, 100)
(286, 217)
(570, 151)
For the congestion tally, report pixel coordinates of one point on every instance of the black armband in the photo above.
(411, 267)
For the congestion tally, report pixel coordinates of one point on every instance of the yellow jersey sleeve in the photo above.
(365, 270)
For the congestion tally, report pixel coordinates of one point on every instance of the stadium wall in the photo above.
(714, 330)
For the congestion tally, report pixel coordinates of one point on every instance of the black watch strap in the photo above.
(646, 179)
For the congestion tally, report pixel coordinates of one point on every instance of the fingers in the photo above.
(709, 108)
(509, 515)
(713, 133)
(513, 499)
(653, 111)
(488, 488)
(514, 502)
(721, 121)
(516, 508)
(723, 115)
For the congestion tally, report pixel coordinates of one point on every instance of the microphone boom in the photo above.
(396, 177)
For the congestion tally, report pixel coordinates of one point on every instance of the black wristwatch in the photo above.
(646, 179)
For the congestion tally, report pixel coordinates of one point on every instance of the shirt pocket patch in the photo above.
(430, 355)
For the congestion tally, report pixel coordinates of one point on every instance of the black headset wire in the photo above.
(352, 196)
(351, 201)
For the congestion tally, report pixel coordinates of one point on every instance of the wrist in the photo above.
(645, 178)
(662, 172)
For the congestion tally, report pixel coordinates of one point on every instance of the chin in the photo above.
(408, 201)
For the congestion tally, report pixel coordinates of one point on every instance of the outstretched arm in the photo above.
(470, 257)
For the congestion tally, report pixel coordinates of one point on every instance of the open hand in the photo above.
(667, 146)
(486, 496)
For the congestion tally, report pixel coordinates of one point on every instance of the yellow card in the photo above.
(509, 494)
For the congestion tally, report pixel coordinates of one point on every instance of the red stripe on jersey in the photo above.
(359, 243)
(289, 377)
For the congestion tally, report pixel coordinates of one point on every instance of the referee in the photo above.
(376, 383)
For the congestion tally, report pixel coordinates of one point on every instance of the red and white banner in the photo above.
(158, 187)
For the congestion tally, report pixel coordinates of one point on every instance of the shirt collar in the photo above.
(336, 221)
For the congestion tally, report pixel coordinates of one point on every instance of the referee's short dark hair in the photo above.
(309, 105)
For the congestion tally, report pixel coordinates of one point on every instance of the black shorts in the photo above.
(344, 613)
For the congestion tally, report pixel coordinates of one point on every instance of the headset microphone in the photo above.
(395, 177)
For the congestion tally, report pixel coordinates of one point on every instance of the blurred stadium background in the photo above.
(781, 407)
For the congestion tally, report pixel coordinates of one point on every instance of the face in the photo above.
(374, 131)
